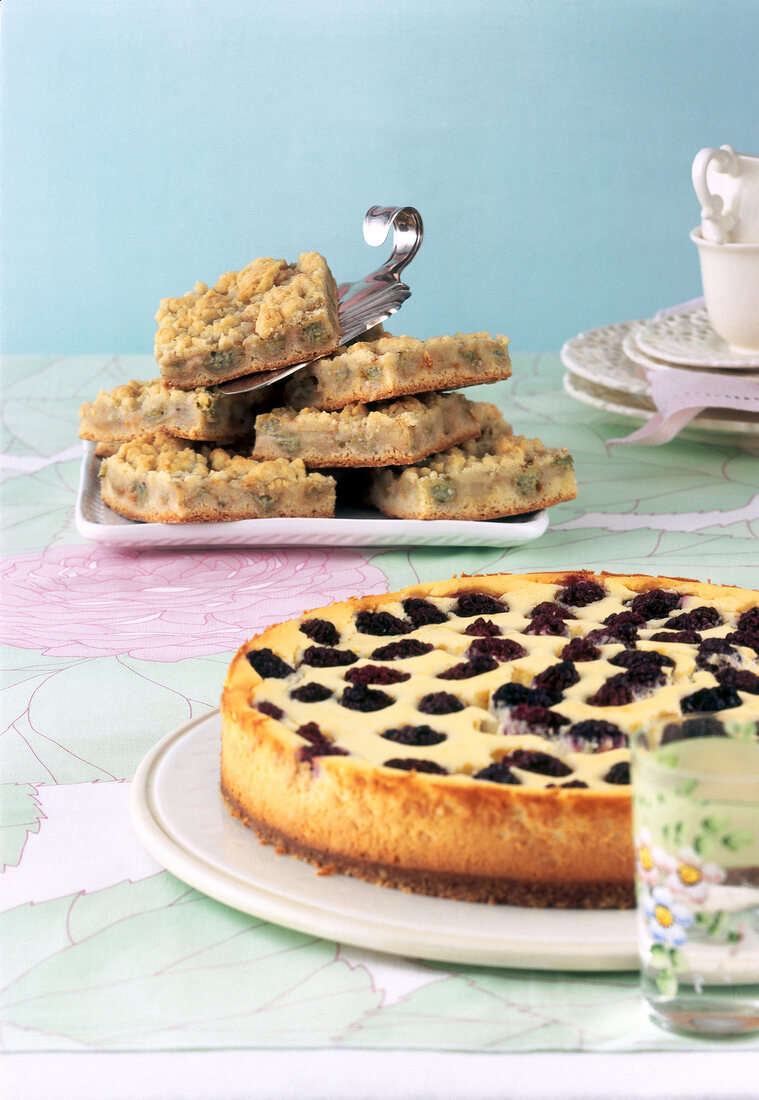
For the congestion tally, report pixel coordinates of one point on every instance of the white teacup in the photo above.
(727, 185)
(730, 278)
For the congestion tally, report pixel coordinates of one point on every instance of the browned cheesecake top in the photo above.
(534, 680)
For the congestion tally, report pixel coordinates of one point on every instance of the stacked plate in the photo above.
(609, 367)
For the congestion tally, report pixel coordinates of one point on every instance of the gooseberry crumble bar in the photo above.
(386, 433)
(497, 474)
(469, 738)
(393, 366)
(163, 479)
(140, 408)
(267, 315)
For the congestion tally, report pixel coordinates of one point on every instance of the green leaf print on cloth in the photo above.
(19, 816)
(86, 740)
(156, 964)
(512, 1010)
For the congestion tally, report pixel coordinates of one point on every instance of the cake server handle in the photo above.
(368, 301)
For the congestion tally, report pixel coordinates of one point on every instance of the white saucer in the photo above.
(688, 339)
(640, 358)
(603, 397)
(179, 816)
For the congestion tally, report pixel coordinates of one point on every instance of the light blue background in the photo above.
(147, 144)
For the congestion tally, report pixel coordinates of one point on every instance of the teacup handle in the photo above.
(725, 160)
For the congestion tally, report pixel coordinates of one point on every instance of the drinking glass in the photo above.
(696, 834)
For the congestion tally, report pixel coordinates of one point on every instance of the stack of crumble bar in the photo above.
(385, 410)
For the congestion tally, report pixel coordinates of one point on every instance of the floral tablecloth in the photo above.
(106, 651)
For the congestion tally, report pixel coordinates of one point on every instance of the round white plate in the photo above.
(597, 356)
(689, 339)
(603, 397)
(181, 819)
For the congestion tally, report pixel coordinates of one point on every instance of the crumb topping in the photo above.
(135, 409)
(164, 453)
(406, 411)
(494, 474)
(259, 301)
(390, 366)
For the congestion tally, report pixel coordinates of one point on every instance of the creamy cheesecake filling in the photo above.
(370, 702)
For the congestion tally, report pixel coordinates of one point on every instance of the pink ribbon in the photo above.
(680, 395)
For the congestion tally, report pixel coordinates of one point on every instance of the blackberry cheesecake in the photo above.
(269, 314)
(394, 366)
(469, 738)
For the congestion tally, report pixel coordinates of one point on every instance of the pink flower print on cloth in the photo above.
(81, 601)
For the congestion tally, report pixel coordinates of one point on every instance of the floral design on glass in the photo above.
(680, 906)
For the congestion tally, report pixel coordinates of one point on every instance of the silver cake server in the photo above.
(371, 300)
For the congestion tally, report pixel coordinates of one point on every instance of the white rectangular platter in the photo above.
(350, 527)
